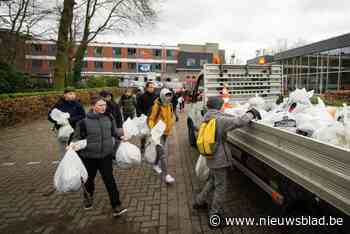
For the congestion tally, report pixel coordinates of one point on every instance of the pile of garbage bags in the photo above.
(297, 114)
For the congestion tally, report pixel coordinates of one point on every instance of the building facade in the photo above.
(131, 61)
(192, 57)
(136, 62)
(321, 66)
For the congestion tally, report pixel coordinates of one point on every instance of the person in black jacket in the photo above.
(113, 108)
(146, 100)
(100, 131)
(144, 106)
(68, 104)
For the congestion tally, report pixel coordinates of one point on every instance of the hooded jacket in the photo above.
(162, 111)
(224, 124)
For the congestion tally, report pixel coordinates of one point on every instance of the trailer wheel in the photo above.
(191, 135)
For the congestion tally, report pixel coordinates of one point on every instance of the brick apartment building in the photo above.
(128, 61)
(107, 59)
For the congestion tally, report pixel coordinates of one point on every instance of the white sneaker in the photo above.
(169, 179)
(157, 169)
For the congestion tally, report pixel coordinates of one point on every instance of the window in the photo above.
(170, 53)
(98, 51)
(190, 62)
(203, 61)
(37, 63)
(36, 48)
(131, 52)
(52, 64)
(85, 64)
(99, 65)
(131, 66)
(117, 66)
(157, 53)
(156, 67)
(52, 49)
(117, 52)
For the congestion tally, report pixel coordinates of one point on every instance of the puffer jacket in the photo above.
(224, 124)
(100, 132)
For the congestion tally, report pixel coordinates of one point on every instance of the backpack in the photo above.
(206, 142)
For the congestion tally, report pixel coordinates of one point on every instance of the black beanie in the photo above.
(215, 103)
(105, 93)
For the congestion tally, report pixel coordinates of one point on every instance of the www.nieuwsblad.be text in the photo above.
(216, 221)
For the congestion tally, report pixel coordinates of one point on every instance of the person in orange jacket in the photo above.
(162, 109)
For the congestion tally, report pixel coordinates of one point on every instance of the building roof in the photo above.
(109, 44)
(328, 44)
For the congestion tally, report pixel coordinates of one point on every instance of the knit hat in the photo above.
(215, 103)
(69, 89)
(105, 93)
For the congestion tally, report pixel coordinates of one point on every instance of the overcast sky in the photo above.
(243, 26)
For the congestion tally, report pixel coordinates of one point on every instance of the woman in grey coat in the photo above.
(100, 132)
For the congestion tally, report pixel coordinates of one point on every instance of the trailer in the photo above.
(291, 168)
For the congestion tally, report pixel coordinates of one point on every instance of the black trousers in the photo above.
(104, 166)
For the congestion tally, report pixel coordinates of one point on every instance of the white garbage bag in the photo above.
(60, 117)
(202, 170)
(130, 129)
(150, 151)
(64, 132)
(157, 131)
(70, 173)
(332, 134)
(142, 125)
(257, 103)
(128, 155)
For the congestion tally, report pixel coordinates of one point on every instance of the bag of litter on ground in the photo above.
(202, 170)
(130, 129)
(150, 151)
(128, 155)
(70, 173)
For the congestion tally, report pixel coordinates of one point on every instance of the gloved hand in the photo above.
(255, 113)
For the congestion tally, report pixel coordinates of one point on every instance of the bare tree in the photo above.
(63, 44)
(117, 16)
(21, 17)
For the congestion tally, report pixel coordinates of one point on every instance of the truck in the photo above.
(293, 169)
